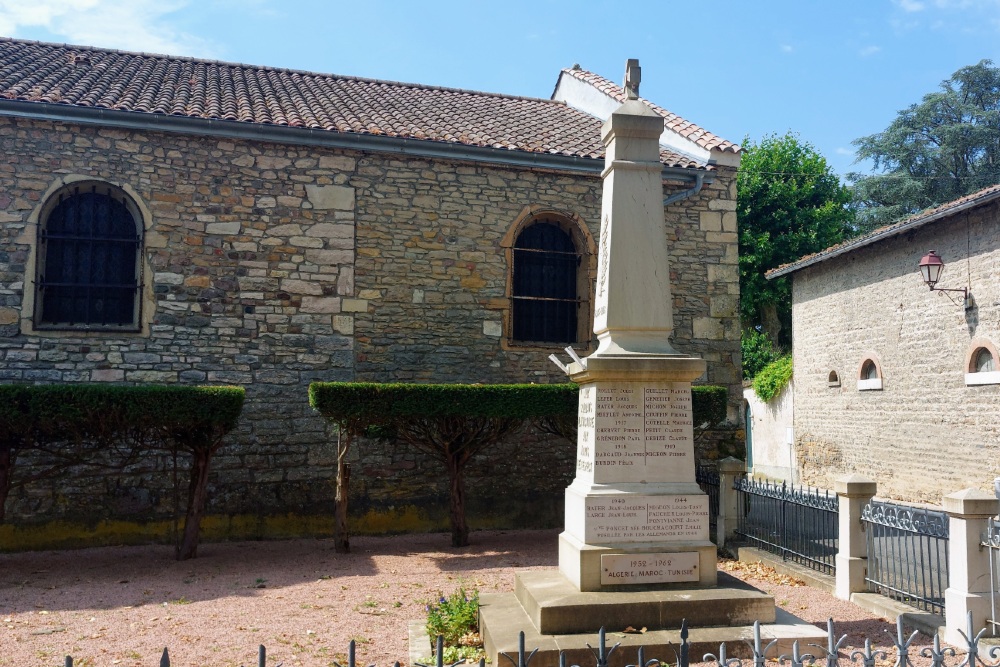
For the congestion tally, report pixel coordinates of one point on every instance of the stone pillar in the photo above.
(969, 512)
(853, 492)
(730, 470)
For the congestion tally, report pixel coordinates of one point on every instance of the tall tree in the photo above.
(933, 152)
(789, 204)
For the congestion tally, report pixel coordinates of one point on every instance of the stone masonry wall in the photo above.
(273, 266)
(926, 433)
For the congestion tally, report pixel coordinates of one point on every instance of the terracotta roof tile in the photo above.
(155, 84)
(686, 129)
(926, 216)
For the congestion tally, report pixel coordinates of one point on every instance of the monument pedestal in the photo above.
(634, 513)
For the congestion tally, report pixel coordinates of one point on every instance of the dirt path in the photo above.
(122, 605)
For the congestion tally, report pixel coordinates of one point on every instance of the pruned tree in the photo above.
(940, 149)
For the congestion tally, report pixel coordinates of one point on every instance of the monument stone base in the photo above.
(688, 563)
(556, 617)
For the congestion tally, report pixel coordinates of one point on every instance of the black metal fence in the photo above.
(799, 524)
(907, 553)
(762, 651)
(991, 542)
(708, 479)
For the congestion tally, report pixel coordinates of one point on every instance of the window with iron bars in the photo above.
(544, 286)
(89, 248)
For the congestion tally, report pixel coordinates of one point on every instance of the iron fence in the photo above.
(760, 653)
(799, 524)
(991, 542)
(708, 479)
(907, 553)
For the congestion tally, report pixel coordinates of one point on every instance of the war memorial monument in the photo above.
(635, 551)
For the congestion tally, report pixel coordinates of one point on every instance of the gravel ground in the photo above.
(122, 605)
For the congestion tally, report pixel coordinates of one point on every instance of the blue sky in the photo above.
(830, 70)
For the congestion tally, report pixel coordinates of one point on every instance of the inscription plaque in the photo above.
(639, 518)
(634, 432)
(649, 568)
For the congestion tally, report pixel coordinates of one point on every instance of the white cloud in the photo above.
(869, 51)
(135, 25)
(910, 5)
(843, 151)
(787, 48)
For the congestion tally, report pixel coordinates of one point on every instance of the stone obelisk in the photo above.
(635, 517)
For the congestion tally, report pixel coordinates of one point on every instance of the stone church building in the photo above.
(171, 220)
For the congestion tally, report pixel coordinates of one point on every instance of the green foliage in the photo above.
(101, 412)
(369, 403)
(758, 351)
(789, 204)
(774, 377)
(943, 148)
(708, 404)
(454, 617)
(373, 408)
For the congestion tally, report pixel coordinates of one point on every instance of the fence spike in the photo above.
(936, 654)
(165, 658)
(261, 656)
(439, 657)
(868, 657)
(69, 661)
(684, 659)
(797, 658)
(759, 650)
(903, 646)
(722, 660)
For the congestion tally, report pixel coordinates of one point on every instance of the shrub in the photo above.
(773, 378)
(77, 423)
(757, 352)
(455, 618)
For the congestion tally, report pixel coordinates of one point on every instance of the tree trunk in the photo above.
(6, 475)
(771, 323)
(456, 502)
(341, 538)
(197, 496)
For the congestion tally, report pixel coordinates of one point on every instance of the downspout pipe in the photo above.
(699, 180)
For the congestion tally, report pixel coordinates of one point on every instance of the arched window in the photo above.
(88, 263)
(870, 374)
(545, 294)
(833, 380)
(981, 363)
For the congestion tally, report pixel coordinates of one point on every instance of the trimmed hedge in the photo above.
(78, 423)
(371, 403)
(375, 403)
(85, 411)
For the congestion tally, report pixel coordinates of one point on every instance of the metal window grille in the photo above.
(907, 553)
(544, 286)
(799, 524)
(88, 268)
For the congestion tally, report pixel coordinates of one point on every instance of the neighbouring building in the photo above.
(173, 220)
(894, 381)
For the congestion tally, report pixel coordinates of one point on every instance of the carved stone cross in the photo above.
(633, 75)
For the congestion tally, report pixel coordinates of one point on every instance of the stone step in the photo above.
(554, 606)
(502, 618)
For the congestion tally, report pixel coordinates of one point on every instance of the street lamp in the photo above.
(931, 267)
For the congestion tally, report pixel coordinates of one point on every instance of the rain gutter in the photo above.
(280, 134)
